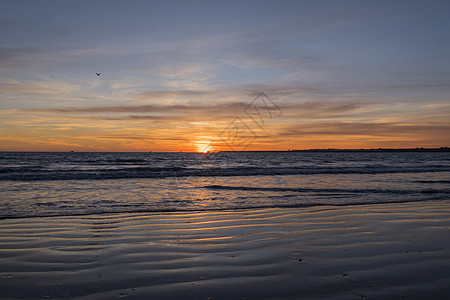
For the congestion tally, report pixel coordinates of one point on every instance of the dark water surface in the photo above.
(50, 184)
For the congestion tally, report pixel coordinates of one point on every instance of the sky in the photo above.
(223, 75)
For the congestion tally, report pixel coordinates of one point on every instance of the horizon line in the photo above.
(416, 149)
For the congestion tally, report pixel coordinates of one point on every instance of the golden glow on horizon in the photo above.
(127, 141)
(22, 130)
(204, 146)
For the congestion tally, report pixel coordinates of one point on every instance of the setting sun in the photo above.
(203, 146)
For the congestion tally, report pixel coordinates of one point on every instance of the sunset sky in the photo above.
(184, 75)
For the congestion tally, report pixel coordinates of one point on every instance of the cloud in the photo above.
(54, 87)
(144, 108)
(285, 42)
(343, 129)
(46, 92)
(131, 118)
(166, 94)
(18, 57)
(316, 109)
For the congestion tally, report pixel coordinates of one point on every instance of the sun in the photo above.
(204, 146)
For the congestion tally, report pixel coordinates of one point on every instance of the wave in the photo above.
(327, 190)
(433, 181)
(138, 209)
(129, 172)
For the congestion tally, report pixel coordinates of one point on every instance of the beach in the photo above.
(235, 150)
(374, 251)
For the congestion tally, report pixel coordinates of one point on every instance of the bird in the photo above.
(98, 74)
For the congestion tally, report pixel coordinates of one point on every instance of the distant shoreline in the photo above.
(440, 149)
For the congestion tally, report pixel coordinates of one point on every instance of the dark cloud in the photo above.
(211, 112)
(151, 117)
(369, 129)
(114, 109)
(127, 118)
(316, 109)
(150, 139)
(145, 108)
(121, 137)
(165, 94)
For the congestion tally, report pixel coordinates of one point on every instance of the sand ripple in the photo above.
(392, 251)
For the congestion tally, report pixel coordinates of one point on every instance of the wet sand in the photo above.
(383, 251)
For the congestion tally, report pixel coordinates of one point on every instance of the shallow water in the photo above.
(60, 184)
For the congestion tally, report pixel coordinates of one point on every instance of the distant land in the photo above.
(418, 149)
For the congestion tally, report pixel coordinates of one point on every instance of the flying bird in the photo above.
(98, 74)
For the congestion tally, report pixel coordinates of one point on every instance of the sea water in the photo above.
(71, 183)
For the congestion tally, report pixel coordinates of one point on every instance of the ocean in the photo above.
(37, 184)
